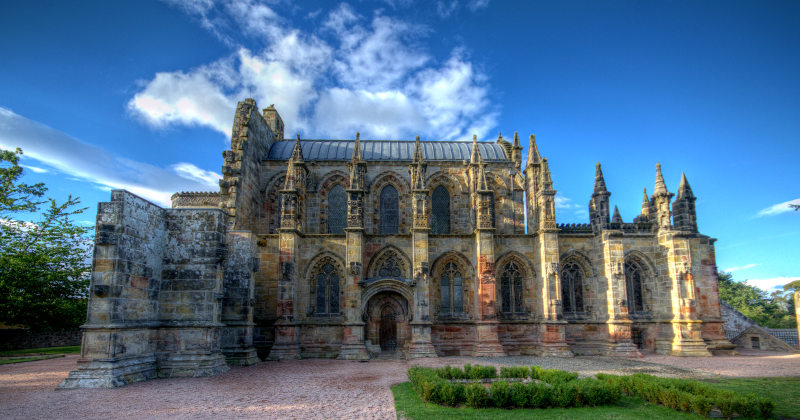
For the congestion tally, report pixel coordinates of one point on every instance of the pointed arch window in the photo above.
(511, 288)
(572, 288)
(440, 203)
(327, 291)
(634, 276)
(337, 210)
(389, 210)
(452, 288)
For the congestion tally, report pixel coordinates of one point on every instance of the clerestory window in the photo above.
(440, 203)
(634, 276)
(337, 210)
(389, 210)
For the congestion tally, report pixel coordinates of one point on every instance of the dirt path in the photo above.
(306, 389)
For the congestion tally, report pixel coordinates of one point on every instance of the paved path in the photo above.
(307, 389)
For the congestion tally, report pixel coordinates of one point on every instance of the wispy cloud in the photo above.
(771, 284)
(779, 208)
(352, 73)
(35, 169)
(739, 268)
(85, 162)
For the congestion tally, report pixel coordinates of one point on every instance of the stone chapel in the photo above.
(355, 249)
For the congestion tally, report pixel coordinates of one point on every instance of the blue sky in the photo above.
(140, 95)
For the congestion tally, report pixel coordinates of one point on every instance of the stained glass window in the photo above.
(452, 287)
(440, 203)
(572, 287)
(511, 288)
(634, 275)
(389, 210)
(327, 291)
(337, 210)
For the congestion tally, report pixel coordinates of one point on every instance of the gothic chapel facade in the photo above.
(353, 249)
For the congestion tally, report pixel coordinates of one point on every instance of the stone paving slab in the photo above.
(310, 389)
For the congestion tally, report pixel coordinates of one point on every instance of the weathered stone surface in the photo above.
(264, 267)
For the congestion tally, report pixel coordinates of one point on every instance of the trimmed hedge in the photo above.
(690, 396)
(564, 389)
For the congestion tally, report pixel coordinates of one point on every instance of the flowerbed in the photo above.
(535, 387)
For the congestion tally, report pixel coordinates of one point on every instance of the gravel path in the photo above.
(310, 389)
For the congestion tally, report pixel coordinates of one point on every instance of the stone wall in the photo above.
(13, 339)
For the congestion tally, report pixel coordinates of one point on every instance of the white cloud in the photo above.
(771, 283)
(475, 5)
(349, 74)
(737, 268)
(779, 208)
(89, 163)
(35, 169)
(446, 8)
(565, 203)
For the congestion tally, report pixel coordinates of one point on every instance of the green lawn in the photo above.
(8, 361)
(784, 392)
(41, 351)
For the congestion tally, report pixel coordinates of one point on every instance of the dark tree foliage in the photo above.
(44, 263)
(774, 310)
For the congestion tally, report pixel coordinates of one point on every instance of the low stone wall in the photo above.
(13, 339)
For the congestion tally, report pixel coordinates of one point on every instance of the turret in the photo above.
(274, 121)
(293, 189)
(483, 197)
(516, 151)
(599, 212)
(644, 216)
(661, 198)
(545, 199)
(683, 210)
(617, 218)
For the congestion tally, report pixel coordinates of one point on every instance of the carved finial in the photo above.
(417, 151)
(684, 190)
(533, 151)
(516, 140)
(547, 182)
(661, 187)
(617, 217)
(476, 154)
(599, 181)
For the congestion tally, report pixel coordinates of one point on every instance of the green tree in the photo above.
(768, 310)
(45, 263)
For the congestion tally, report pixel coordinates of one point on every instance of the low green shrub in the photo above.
(521, 372)
(452, 394)
(765, 407)
(500, 393)
(702, 405)
(552, 375)
(520, 395)
(538, 395)
(476, 396)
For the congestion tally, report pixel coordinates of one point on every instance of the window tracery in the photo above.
(634, 276)
(572, 288)
(327, 293)
(511, 288)
(452, 290)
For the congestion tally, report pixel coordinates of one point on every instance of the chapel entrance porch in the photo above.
(388, 333)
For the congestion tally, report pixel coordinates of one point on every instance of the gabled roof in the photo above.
(386, 150)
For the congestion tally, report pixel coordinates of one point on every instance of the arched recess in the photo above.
(373, 211)
(640, 281)
(272, 203)
(389, 263)
(575, 273)
(331, 304)
(514, 279)
(441, 269)
(331, 180)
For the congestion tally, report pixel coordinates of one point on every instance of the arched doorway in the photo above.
(387, 329)
(387, 332)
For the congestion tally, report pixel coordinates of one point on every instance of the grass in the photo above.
(409, 406)
(41, 351)
(31, 355)
(9, 361)
(784, 392)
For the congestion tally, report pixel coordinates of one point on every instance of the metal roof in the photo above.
(385, 150)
